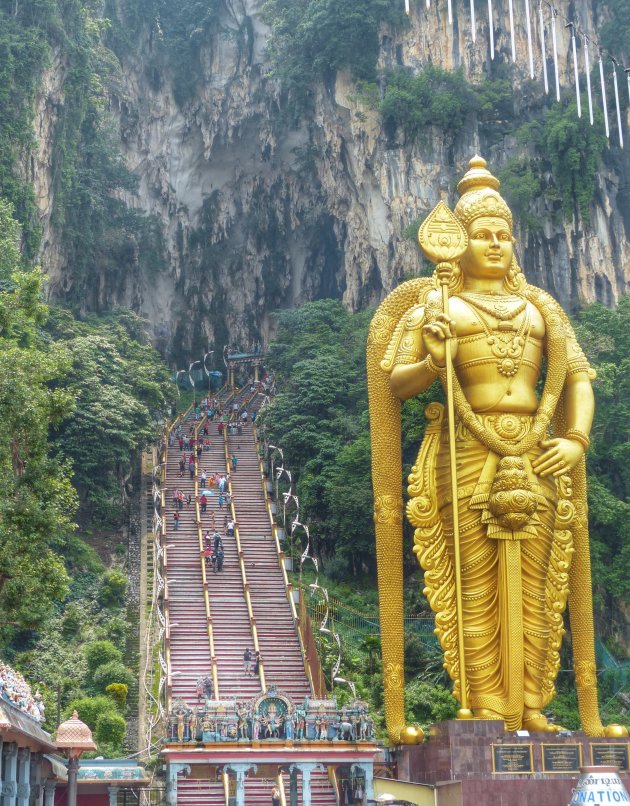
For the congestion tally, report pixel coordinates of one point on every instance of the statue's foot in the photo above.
(535, 722)
(412, 734)
(615, 731)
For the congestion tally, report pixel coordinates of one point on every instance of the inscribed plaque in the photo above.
(613, 755)
(561, 757)
(511, 759)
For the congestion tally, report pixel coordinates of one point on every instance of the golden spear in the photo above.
(443, 240)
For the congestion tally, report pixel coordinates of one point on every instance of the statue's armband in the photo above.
(577, 362)
(405, 346)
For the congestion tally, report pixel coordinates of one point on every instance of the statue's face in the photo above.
(490, 249)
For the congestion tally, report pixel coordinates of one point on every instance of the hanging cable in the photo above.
(407, 7)
(491, 29)
(554, 40)
(616, 86)
(542, 49)
(473, 25)
(604, 98)
(576, 74)
(587, 67)
(530, 50)
(450, 12)
(512, 35)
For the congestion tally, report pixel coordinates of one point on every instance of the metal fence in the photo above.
(354, 627)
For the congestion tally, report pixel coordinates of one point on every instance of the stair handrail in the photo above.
(167, 630)
(311, 654)
(280, 785)
(244, 405)
(241, 559)
(288, 586)
(204, 578)
(226, 787)
(147, 671)
(332, 777)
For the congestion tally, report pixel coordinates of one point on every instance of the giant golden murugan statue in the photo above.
(500, 565)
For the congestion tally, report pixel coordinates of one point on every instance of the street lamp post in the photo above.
(73, 739)
(349, 683)
(192, 380)
(207, 371)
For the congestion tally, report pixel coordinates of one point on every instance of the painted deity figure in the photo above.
(288, 725)
(193, 725)
(520, 475)
(243, 726)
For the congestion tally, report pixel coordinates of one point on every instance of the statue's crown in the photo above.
(478, 194)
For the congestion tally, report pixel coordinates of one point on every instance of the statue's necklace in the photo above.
(507, 348)
(500, 307)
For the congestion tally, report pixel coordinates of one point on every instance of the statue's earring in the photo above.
(514, 279)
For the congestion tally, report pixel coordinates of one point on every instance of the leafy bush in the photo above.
(521, 187)
(110, 729)
(99, 653)
(312, 39)
(113, 588)
(90, 709)
(73, 619)
(575, 149)
(426, 703)
(113, 672)
(432, 97)
(118, 692)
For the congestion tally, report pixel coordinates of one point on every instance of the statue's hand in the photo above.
(560, 456)
(434, 337)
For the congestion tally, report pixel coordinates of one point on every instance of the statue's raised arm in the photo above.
(504, 553)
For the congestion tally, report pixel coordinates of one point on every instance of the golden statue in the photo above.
(500, 566)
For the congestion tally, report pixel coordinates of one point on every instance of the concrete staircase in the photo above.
(277, 634)
(188, 623)
(224, 621)
(196, 791)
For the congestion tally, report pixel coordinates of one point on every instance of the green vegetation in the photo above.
(120, 385)
(557, 140)
(605, 336)
(414, 102)
(521, 187)
(101, 235)
(77, 402)
(574, 148)
(176, 31)
(432, 97)
(23, 55)
(323, 427)
(312, 39)
(615, 34)
(320, 419)
(32, 537)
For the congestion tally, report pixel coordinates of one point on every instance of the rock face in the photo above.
(259, 215)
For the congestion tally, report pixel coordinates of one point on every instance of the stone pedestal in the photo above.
(474, 763)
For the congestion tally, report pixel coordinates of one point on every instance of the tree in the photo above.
(110, 729)
(121, 385)
(38, 500)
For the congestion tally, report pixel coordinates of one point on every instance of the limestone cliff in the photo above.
(259, 214)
